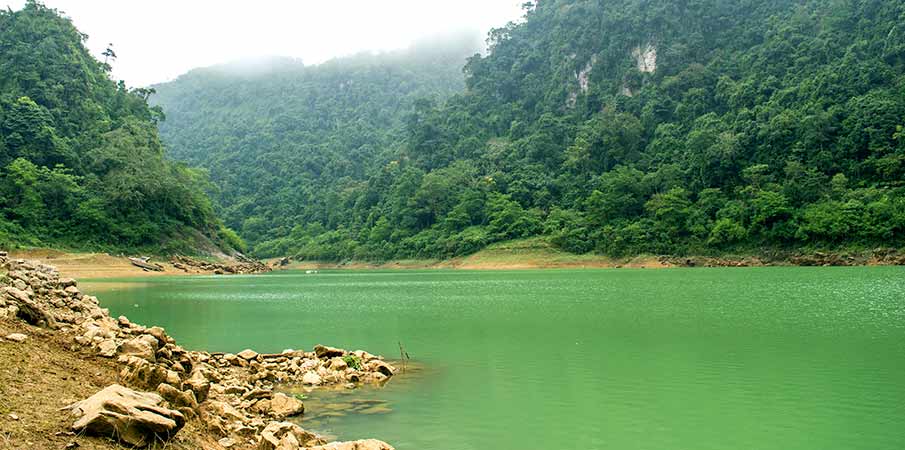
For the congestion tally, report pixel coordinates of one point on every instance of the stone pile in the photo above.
(234, 395)
(244, 265)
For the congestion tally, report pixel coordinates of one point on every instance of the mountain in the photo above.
(284, 141)
(610, 126)
(81, 164)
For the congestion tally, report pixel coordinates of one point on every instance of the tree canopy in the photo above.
(81, 164)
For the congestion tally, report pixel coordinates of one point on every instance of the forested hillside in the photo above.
(81, 164)
(616, 126)
(284, 142)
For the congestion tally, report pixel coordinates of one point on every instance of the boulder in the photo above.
(322, 351)
(198, 384)
(283, 406)
(160, 334)
(176, 397)
(222, 409)
(16, 337)
(274, 433)
(381, 367)
(311, 378)
(247, 354)
(107, 349)
(135, 418)
(29, 310)
(144, 347)
(367, 444)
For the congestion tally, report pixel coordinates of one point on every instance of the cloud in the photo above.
(158, 40)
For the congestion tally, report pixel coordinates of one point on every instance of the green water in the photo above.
(766, 358)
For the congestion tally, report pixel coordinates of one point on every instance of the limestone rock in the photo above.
(16, 337)
(367, 444)
(135, 418)
(144, 347)
(283, 406)
(107, 349)
(198, 384)
(247, 354)
(274, 433)
(176, 397)
(323, 351)
(381, 367)
(222, 409)
(311, 378)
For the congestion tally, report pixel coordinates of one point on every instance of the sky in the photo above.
(158, 40)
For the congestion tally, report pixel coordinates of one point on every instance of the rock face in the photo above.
(135, 418)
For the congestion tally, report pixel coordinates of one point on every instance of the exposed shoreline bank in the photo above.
(154, 388)
(516, 255)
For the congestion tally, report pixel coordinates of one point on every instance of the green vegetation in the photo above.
(617, 127)
(353, 361)
(81, 164)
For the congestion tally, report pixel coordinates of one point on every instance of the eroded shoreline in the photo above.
(231, 397)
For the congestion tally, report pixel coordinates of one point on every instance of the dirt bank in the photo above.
(84, 266)
(47, 372)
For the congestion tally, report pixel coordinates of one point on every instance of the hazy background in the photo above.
(157, 40)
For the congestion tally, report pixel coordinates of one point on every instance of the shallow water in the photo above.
(758, 358)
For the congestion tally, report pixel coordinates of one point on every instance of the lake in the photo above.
(742, 358)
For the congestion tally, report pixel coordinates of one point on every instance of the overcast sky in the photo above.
(157, 40)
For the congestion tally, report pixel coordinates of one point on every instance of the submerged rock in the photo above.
(135, 418)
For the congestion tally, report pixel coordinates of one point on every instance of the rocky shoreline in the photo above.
(232, 396)
(876, 257)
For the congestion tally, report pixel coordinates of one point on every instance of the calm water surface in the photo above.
(761, 358)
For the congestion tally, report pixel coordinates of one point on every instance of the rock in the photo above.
(16, 337)
(66, 282)
(323, 351)
(367, 444)
(258, 394)
(160, 334)
(338, 364)
(144, 347)
(247, 354)
(283, 406)
(29, 310)
(223, 409)
(72, 291)
(274, 433)
(381, 367)
(226, 442)
(288, 442)
(107, 349)
(311, 378)
(198, 384)
(135, 418)
(16, 294)
(176, 397)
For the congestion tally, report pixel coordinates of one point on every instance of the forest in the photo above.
(618, 127)
(81, 163)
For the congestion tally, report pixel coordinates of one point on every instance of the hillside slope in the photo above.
(284, 141)
(81, 165)
(627, 127)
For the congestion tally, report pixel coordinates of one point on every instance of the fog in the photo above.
(158, 40)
